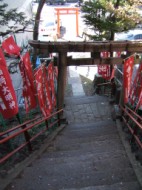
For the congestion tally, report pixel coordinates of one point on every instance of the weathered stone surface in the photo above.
(86, 155)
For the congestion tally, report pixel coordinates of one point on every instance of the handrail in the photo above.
(19, 126)
(105, 83)
(24, 129)
(118, 75)
(23, 145)
(133, 133)
(130, 116)
(119, 71)
(27, 128)
(134, 113)
(118, 81)
(137, 123)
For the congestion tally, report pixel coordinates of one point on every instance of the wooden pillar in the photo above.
(62, 73)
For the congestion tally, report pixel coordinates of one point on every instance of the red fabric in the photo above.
(104, 70)
(47, 87)
(127, 76)
(28, 83)
(51, 83)
(8, 101)
(28, 69)
(38, 78)
(56, 72)
(139, 88)
(118, 54)
(112, 74)
(105, 54)
(139, 104)
(44, 97)
(136, 89)
(10, 47)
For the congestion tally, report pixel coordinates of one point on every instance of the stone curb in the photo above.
(20, 167)
(135, 164)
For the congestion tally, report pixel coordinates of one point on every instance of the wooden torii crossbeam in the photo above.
(94, 47)
(62, 48)
(69, 46)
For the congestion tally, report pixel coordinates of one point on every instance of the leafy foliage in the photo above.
(11, 18)
(108, 17)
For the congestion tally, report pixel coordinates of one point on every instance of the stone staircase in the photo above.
(87, 155)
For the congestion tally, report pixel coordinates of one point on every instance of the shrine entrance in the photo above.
(95, 48)
(67, 11)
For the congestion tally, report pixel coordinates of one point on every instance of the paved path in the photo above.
(75, 81)
(87, 155)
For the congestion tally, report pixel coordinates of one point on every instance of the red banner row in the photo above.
(44, 78)
(44, 87)
(132, 89)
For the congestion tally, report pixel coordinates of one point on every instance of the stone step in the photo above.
(93, 111)
(63, 177)
(84, 100)
(85, 156)
(118, 186)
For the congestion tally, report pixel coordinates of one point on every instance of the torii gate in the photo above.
(64, 11)
(62, 48)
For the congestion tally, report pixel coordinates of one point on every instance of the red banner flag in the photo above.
(47, 88)
(51, 83)
(44, 97)
(38, 78)
(105, 54)
(10, 47)
(56, 72)
(127, 76)
(139, 103)
(118, 54)
(28, 82)
(28, 69)
(104, 70)
(139, 90)
(8, 101)
(136, 89)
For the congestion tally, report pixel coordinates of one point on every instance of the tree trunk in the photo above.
(36, 27)
(112, 32)
(37, 19)
(112, 35)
